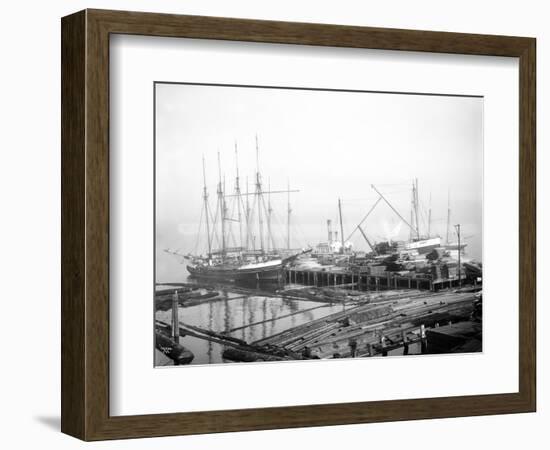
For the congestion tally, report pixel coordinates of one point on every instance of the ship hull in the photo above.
(424, 246)
(270, 273)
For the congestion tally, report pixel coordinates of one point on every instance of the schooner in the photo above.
(255, 256)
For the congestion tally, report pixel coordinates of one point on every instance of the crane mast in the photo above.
(393, 209)
(288, 212)
(448, 216)
(341, 224)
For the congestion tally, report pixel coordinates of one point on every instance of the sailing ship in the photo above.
(418, 243)
(247, 261)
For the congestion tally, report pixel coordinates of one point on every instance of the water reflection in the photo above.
(210, 322)
(250, 315)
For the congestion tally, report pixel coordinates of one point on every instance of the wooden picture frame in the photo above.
(85, 224)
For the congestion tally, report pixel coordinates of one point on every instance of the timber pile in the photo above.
(389, 322)
(324, 295)
(339, 295)
(163, 299)
(234, 349)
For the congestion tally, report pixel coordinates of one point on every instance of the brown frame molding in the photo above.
(85, 224)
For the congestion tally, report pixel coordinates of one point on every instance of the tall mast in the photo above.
(341, 223)
(459, 262)
(259, 197)
(225, 216)
(207, 212)
(412, 232)
(269, 211)
(239, 198)
(288, 212)
(221, 201)
(415, 202)
(247, 216)
(430, 217)
(448, 215)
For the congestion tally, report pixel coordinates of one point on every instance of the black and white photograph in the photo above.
(265, 225)
(296, 224)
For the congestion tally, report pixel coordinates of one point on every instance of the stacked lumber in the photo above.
(390, 322)
(378, 270)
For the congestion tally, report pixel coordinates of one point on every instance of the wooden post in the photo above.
(423, 340)
(459, 252)
(369, 349)
(383, 345)
(353, 347)
(405, 343)
(175, 318)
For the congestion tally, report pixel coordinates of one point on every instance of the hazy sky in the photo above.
(329, 145)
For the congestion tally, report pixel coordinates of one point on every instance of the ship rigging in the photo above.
(249, 253)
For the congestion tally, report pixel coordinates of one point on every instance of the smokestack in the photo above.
(336, 236)
(329, 227)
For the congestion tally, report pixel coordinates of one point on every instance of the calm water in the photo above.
(236, 309)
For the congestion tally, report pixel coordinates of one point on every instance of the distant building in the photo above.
(329, 248)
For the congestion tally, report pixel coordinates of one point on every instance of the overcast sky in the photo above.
(329, 145)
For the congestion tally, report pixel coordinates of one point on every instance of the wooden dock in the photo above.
(339, 277)
(390, 324)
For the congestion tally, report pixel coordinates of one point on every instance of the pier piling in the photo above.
(175, 318)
